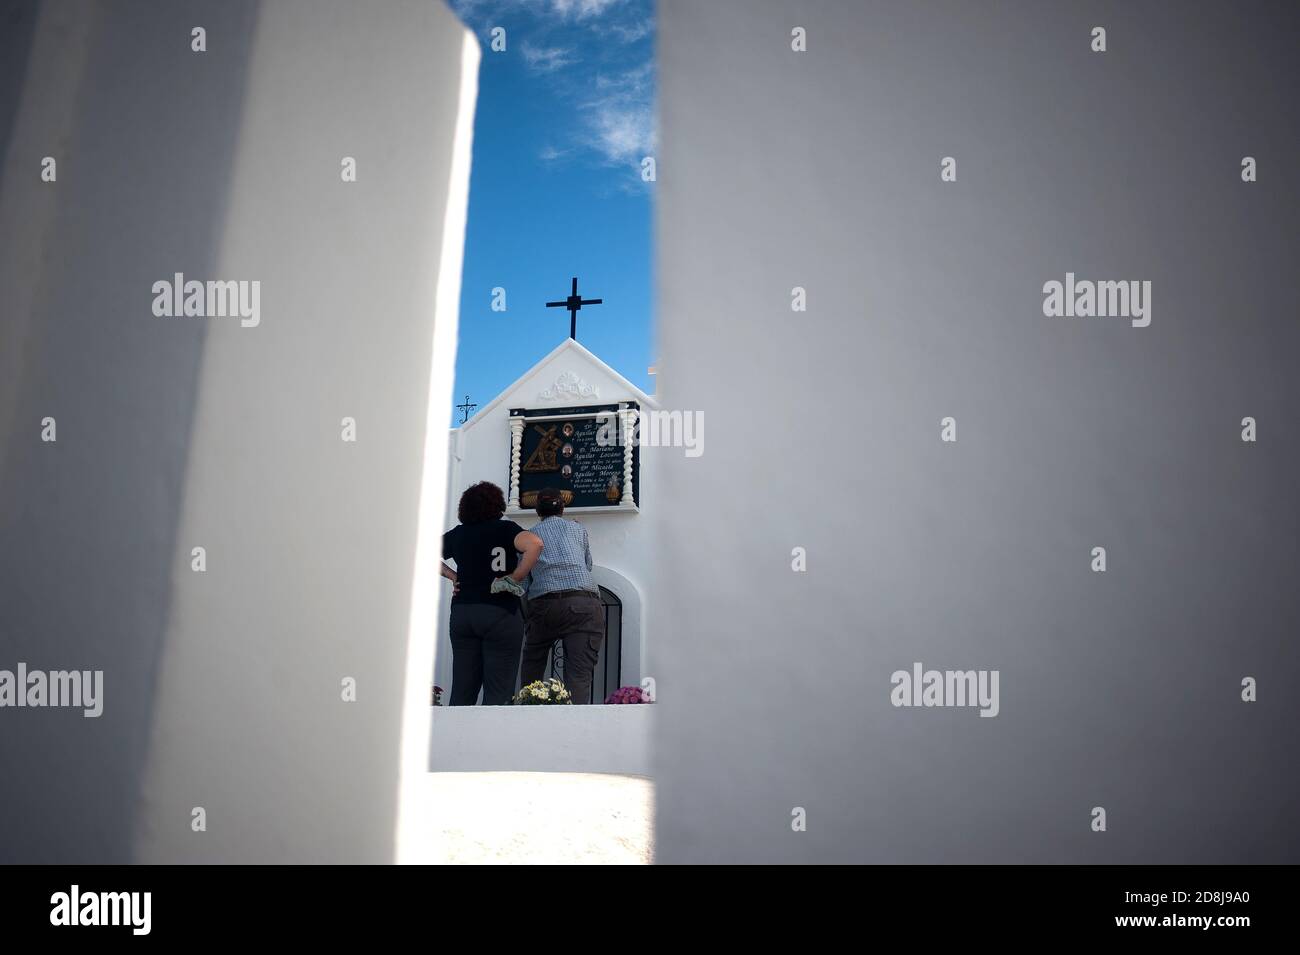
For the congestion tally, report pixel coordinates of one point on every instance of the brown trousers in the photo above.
(578, 620)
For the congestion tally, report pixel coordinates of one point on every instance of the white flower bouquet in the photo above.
(543, 693)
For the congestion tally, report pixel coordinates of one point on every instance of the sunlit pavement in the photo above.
(539, 818)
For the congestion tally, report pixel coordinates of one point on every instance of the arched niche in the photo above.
(632, 619)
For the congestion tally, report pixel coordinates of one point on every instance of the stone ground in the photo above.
(566, 818)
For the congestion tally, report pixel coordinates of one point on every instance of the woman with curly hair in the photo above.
(487, 630)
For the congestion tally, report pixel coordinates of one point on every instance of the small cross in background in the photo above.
(465, 409)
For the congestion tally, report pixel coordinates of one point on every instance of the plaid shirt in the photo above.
(565, 563)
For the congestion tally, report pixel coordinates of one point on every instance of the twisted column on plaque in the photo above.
(628, 418)
(516, 448)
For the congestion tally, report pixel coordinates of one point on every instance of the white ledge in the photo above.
(573, 512)
(554, 739)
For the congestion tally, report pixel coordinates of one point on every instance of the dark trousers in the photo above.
(578, 620)
(485, 642)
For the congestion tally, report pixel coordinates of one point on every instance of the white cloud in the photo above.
(541, 59)
(624, 134)
(621, 115)
(634, 83)
(583, 48)
(560, 9)
(631, 32)
(581, 9)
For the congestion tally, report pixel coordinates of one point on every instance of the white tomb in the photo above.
(562, 390)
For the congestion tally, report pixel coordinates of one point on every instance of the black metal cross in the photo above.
(465, 409)
(573, 303)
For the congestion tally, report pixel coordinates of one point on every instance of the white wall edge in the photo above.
(410, 845)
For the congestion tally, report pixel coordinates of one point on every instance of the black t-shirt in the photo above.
(472, 547)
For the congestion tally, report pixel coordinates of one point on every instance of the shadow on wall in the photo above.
(142, 131)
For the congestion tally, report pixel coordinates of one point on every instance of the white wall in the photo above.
(555, 739)
(312, 541)
(821, 169)
(222, 689)
(143, 132)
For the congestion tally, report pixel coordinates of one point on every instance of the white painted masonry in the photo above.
(314, 543)
(552, 739)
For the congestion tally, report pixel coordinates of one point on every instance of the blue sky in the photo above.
(565, 115)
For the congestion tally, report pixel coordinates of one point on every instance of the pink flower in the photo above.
(628, 694)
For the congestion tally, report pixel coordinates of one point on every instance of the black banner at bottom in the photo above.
(340, 903)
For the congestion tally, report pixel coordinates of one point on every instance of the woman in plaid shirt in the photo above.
(563, 600)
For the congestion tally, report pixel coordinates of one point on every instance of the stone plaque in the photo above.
(577, 450)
